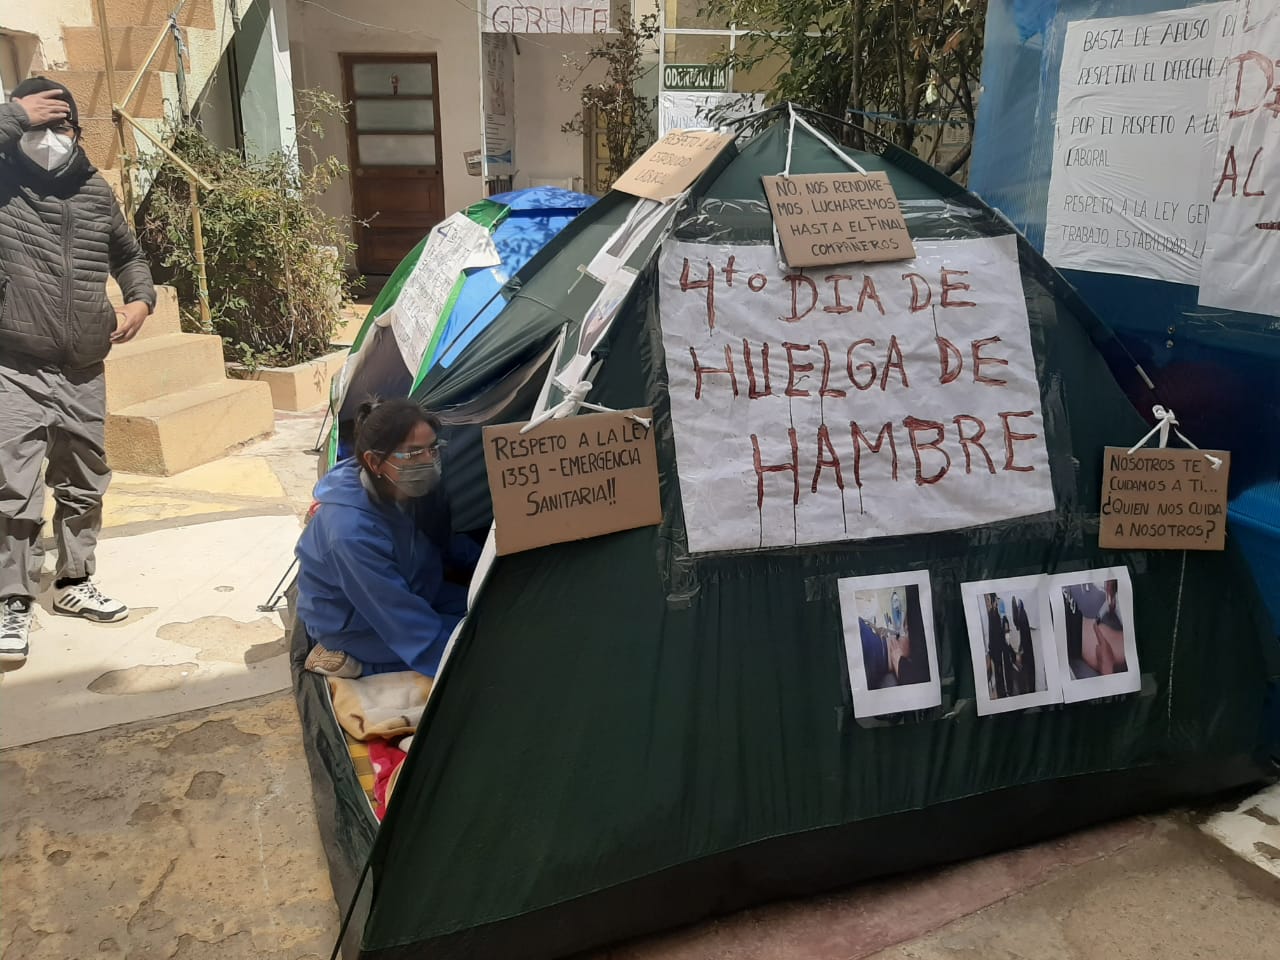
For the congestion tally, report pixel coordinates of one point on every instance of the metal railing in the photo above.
(123, 121)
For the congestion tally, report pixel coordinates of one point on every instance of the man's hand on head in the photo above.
(129, 320)
(47, 106)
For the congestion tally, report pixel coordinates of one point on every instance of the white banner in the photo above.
(454, 245)
(637, 229)
(685, 111)
(644, 226)
(850, 402)
(1133, 144)
(549, 16)
(498, 91)
(1242, 253)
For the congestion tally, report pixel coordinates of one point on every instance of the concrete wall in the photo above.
(45, 19)
(214, 109)
(450, 30)
(18, 53)
(542, 151)
(266, 78)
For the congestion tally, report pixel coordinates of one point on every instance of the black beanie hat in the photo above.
(40, 84)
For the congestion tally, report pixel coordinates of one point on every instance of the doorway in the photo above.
(393, 140)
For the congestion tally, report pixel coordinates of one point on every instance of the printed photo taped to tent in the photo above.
(890, 645)
(1015, 665)
(850, 402)
(1094, 635)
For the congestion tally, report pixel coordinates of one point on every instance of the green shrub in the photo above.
(275, 262)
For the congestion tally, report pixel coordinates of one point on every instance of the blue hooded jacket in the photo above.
(371, 575)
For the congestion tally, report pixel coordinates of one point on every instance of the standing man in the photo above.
(61, 233)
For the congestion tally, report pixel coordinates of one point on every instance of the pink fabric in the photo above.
(385, 759)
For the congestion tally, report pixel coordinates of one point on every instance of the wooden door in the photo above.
(393, 135)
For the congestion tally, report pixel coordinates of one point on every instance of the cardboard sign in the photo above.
(829, 218)
(571, 479)
(671, 165)
(1163, 499)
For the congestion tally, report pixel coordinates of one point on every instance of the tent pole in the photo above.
(351, 909)
(272, 600)
(323, 423)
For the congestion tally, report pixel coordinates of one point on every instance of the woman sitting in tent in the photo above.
(372, 588)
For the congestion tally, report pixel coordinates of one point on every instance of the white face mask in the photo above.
(46, 148)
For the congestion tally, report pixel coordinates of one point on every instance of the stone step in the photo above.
(89, 87)
(129, 47)
(165, 320)
(158, 366)
(122, 13)
(170, 434)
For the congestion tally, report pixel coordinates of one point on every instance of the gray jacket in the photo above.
(59, 238)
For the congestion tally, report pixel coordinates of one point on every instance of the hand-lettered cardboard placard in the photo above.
(1163, 499)
(671, 165)
(571, 479)
(829, 218)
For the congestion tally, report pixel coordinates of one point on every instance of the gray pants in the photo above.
(58, 416)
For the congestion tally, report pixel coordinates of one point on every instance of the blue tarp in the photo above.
(1218, 369)
(536, 215)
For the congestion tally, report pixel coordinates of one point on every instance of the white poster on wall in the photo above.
(1134, 139)
(498, 95)
(454, 245)
(689, 111)
(1242, 248)
(546, 16)
(845, 403)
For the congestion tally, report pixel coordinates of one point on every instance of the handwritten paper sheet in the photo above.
(1136, 128)
(1242, 250)
(853, 402)
(454, 245)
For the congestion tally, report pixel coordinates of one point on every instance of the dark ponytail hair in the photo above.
(382, 425)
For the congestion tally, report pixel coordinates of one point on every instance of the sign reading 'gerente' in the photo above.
(1163, 499)
(570, 479)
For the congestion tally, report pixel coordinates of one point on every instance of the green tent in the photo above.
(486, 214)
(637, 731)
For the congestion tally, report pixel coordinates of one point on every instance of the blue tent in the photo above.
(520, 224)
(534, 216)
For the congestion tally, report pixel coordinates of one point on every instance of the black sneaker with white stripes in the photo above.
(84, 599)
(15, 625)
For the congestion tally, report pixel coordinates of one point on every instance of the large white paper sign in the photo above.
(1133, 143)
(686, 111)
(843, 403)
(1242, 254)
(454, 245)
(546, 16)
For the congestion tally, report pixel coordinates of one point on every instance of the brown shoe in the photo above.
(333, 663)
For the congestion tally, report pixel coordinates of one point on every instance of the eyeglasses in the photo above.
(415, 453)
